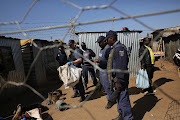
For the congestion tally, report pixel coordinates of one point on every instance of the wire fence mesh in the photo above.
(18, 80)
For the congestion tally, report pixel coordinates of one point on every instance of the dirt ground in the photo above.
(145, 107)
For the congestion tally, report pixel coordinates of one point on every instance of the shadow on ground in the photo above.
(134, 90)
(159, 82)
(156, 69)
(156, 84)
(99, 91)
(46, 116)
(143, 105)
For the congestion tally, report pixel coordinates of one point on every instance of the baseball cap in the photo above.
(83, 44)
(101, 38)
(70, 42)
(110, 34)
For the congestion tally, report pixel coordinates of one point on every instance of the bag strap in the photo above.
(109, 67)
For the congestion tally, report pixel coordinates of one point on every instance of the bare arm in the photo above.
(77, 61)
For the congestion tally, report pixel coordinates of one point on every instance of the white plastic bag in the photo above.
(142, 80)
(70, 75)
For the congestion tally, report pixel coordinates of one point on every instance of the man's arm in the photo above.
(92, 53)
(77, 61)
(141, 50)
(107, 52)
(78, 57)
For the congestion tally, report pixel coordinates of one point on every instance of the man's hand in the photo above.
(97, 60)
(119, 86)
(142, 67)
(69, 63)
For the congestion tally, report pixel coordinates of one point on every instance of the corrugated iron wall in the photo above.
(127, 38)
(172, 43)
(45, 66)
(28, 58)
(16, 52)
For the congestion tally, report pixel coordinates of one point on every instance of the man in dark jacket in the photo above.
(61, 57)
(87, 67)
(102, 63)
(147, 61)
(118, 59)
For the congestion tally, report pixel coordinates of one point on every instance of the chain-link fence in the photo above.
(74, 23)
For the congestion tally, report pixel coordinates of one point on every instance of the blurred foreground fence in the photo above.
(16, 79)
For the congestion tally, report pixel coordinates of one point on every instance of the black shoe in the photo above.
(150, 90)
(110, 104)
(85, 86)
(75, 95)
(119, 117)
(144, 90)
(82, 98)
(94, 84)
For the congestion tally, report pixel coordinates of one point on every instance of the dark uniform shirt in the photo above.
(74, 56)
(88, 56)
(120, 61)
(103, 56)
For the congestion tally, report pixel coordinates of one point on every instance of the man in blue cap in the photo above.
(102, 63)
(88, 53)
(76, 60)
(118, 59)
(61, 57)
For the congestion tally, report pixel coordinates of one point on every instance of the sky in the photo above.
(47, 13)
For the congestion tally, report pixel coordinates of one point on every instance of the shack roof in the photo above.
(9, 38)
(139, 31)
(168, 31)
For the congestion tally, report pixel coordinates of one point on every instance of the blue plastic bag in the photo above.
(142, 80)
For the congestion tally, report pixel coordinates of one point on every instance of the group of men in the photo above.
(113, 55)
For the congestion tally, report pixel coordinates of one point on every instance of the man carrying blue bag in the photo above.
(147, 62)
(142, 80)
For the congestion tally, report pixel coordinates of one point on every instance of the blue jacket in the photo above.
(103, 56)
(120, 61)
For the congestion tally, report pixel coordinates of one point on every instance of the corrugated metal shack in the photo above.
(11, 66)
(171, 40)
(11, 56)
(45, 67)
(128, 38)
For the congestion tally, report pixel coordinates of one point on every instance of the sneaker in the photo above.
(18, 113)
(82, 99)
(146, 92)
(75, 95)
(150, 92)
